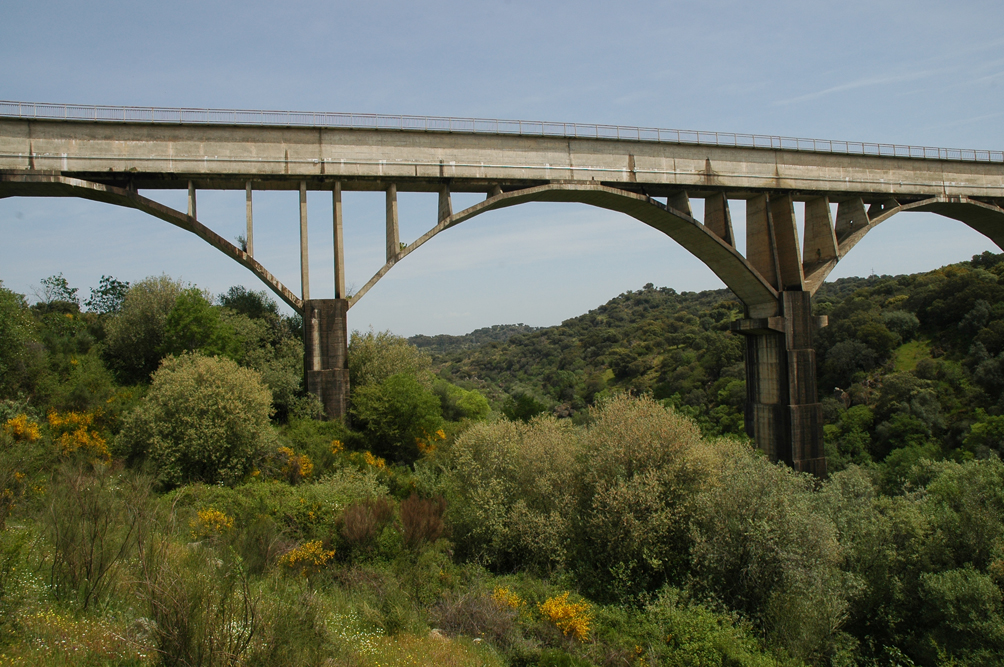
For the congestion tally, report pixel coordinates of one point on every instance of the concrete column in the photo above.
(393, 233)
(681, 202)
(761, 249)
(304, 260)
(191, 199)
(325, 354)
(250, 235)
(820, 243)
(339, 246)
(717, 218)
(445, 203)
(783, 413)
(789, 259)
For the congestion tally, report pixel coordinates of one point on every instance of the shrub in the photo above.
(193, 324)
(374, 357)
(395, 415)
(572, 618)
(761, 547)
(135, 335)
(641, 472)
(363, 520)
(22, 357)
(204, 419)
(422, 520)
(92, 523)
(511, 492)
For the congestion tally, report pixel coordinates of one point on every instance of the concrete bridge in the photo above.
(110, 154)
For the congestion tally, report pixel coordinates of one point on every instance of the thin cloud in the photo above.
(864, 83)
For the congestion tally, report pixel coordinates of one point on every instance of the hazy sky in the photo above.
(923, 73)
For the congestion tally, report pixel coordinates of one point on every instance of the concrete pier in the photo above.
(325, 354)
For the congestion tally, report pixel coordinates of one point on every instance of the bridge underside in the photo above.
(775, 279)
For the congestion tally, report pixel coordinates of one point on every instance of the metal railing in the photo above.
(482, 126)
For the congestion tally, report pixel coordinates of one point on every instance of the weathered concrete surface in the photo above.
(325, 354)
(160, 155)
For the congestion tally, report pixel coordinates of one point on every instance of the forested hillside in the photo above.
(572, 496)
(910, 366)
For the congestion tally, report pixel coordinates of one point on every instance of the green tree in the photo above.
(194, 324)
(204, 419)
(374, 357)
(396, 413)
(135, 335)
(22, 357)
(108, 297)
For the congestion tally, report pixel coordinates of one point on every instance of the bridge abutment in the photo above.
(325, 354)
(783, 413)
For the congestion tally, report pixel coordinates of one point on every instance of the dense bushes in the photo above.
(204, 419)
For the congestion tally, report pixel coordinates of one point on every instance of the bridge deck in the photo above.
(168, 156)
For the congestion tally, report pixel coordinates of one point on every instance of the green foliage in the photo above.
(136, 334)
(204, 419)
(457, 403)
(375, 357)
(22, 357)
(640, 472)
(108, 297)
(56, 288)
(194, 325)
(394, 414)
(256, 305)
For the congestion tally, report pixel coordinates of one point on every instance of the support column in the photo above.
(191, 199)
(304, 260)
(325, 354)
(783, 413)
(393, 233)
(339, 246)
(250, 237)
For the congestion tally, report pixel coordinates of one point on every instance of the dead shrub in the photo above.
(422, 520)
(481, 616)
(363, 520)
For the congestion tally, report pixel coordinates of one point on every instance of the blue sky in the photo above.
(923, 73)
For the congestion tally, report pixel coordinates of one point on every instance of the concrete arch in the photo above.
(985, 218)
(723, 259)
(55, 185)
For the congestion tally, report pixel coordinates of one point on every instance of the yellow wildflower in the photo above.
(23, 428)
(572, 618)
(210, 522)
(306, 557)
(506, 598)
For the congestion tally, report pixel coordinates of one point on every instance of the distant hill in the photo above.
(445, 344)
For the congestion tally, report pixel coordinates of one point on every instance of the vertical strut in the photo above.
(250, 236)
(393, 234)
(336, 206)
(191, 199)
(304, 261)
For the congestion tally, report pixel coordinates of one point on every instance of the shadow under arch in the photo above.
(723, 259)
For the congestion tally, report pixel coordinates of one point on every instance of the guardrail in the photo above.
(481, 126)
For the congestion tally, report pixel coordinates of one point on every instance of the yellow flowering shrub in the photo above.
(209, 522)
(572, 618)
(76, 434)
(295, 466)
(374, 461)
(337, 447)
(506, 598)
(426, 444)
(22, 428)
(307, 557)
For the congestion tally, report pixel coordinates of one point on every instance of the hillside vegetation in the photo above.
(577, 495)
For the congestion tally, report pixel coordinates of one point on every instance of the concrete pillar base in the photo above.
(325, 354)
(783, 413)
